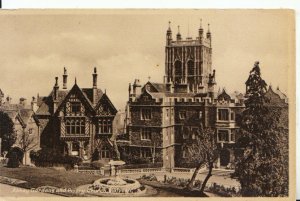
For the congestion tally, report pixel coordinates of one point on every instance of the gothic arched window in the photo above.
(178, 70)
(190, 66)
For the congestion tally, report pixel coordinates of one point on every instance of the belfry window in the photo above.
(191, 70)
(178, 71)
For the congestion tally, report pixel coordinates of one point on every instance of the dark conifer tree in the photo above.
(261, 170)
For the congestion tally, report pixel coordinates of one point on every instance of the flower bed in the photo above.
(182, 183)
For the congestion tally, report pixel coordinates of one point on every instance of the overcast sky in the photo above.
(128, 45)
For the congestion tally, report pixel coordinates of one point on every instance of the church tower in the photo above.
(188, 62)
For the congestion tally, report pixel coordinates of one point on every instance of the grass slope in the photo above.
(36, 177)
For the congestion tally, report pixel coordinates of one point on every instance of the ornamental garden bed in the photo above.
(177, 185)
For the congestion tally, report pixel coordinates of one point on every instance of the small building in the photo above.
(25, 126)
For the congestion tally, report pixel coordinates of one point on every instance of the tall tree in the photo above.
(26, 142)
(203, 151)
(261, 170)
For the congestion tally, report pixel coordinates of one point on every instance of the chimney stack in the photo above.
(65, 77)
(95, 75)
(55, 89)
(8, 100)
(137, 87)
(34, 104)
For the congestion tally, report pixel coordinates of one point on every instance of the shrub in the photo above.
(137, 166)
(177, 181)
(198, 184)
(18, 152)
(49, 157)
(13, 161)
(150, 177)
(223, 191)
(97, 164)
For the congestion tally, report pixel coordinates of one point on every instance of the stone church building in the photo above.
(163, 118)
(76, 121)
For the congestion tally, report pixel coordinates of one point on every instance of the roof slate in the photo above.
(159, 87)
(13, 110)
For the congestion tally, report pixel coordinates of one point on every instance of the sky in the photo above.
(129, 44)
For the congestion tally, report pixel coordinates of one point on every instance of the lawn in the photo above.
(36, 176)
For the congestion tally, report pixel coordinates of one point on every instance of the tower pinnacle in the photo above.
(169, 35)
(178, 36)
(208, 34)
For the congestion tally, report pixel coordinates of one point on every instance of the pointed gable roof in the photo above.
(274, 99)
(104, 99)
(45, 102)
(282, 95)
(156, 87)
(89, 94)
(85, 99)
(21, 113)
(224, 96)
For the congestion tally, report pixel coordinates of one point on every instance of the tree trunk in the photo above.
(191, 183)
(207, 177)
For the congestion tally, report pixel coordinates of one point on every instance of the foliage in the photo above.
(150, 177)
(49, 157)
(134, 159)
(262, 169)
(13, 161)
(7, 133)
(17, 151)
(97, 164)
(203, 151)
(213, 188)
(26, 141)
(182, 182)
(145, 165)
(223, 191)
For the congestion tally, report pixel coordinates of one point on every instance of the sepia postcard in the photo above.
(131, 104)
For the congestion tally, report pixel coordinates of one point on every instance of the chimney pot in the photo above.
(65, 77)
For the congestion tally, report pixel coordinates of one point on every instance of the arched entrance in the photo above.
(224, 157)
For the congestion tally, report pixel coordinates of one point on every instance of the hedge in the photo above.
(49, 157)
